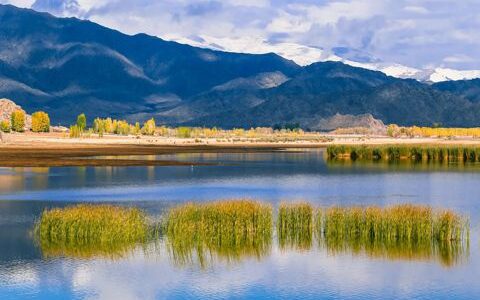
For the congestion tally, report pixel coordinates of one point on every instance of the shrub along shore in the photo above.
(433, 153)
(232, 229)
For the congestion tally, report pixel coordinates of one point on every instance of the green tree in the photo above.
(82, 122)
(18, 121)
(40, 122)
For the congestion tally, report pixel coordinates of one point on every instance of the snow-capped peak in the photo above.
(306, 55)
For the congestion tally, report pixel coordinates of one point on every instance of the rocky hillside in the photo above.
(7, 107)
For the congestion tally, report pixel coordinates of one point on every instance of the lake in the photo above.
(153, 272)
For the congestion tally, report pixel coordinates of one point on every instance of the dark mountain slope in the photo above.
(325, 89)
(469, 89)
(70, 61)
(68, 66)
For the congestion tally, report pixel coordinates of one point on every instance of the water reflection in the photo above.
(205, 254)
(334, 269)
(86, 251)
(448, 254)
(402, 165)
(185, 251)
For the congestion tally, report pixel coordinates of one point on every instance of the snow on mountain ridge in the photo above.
(306, 55)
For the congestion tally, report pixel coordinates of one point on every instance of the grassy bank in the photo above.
(436, 153)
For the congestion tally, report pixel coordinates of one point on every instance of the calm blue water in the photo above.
(281, 273)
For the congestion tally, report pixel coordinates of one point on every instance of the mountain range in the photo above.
(66, 66)
(306, 55)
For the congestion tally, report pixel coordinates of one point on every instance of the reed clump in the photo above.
(229, 229)
(295, 225)
(87, 230)
(399, 231)
(430, 153)
(404, 222)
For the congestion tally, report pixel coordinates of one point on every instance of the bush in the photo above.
(136, 129)
(184, 132)
(82, 122)
(75, 131)
(122, 128)
(18, 121)
(99, 126)
(5, 126)
(393, 130)
(149, 127)
(40, 122)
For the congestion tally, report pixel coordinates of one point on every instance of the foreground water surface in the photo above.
(153, 271)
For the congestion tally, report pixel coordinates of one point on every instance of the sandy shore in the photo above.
(52, 139)
(55, 149)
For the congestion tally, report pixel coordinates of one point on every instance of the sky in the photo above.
(416, 33)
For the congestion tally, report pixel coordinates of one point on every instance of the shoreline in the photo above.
(56, 150)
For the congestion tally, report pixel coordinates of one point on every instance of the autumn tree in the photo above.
(40, 122)
(17, 121)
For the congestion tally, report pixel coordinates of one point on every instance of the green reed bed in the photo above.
(229, 229)
(434, 153)
(400, 231)
(89, 230)
(295, 225)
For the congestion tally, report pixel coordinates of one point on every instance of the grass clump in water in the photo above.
(400, 231)
(90, 230)
(295, 225)
(428, 153)
(229, 229)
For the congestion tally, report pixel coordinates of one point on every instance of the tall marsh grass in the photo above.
(234, 229)
(295, 225)
(433, 153)
(399, 231)
(88, 230)
(229, 229)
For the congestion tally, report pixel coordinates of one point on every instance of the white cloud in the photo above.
(19, 3)
(458, 59)
(416, 9)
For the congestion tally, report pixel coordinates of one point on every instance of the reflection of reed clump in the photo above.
(295, 225)
(226, 229)
(85, 231)
(395, 232)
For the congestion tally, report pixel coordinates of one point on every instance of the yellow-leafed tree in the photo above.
(18, 121)
(40, 122)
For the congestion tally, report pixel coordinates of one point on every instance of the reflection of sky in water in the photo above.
(258, 175)
(270, 177)
(282, 274)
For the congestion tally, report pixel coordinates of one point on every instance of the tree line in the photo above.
(17, 122)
